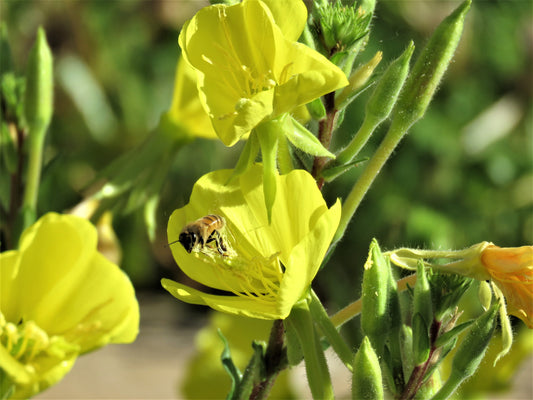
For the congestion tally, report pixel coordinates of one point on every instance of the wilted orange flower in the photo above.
(511, 269)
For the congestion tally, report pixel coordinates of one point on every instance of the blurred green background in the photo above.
(464, 174)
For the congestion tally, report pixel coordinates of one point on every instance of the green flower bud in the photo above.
(375, 316)
(388, 88)
(367, 381)
(420, 339)
(340, 27)
(38, 102)
(470, 353)
(357, 81)
(422, 303)
(380, 104)
(485, 295)
(430, 67)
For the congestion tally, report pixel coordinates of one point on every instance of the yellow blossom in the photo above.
(511, 269)
(59, 298)
(267, 267)
(249, 69)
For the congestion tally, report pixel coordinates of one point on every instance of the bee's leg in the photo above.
(217, 238)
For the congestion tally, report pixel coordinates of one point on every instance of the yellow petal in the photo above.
(290, 16)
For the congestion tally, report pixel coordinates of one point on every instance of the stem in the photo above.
(325, 132)
(275, 361)
(358, 141)
(35, 159)
(396, 131)
(351, 310)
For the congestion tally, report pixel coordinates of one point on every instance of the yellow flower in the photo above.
(249, 70)
(59, 298)
(267, 267)
(186, 109)
(511, 269)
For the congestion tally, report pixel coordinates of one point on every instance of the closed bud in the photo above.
(422, 303)
(485, 295)
(357, 81)
(386, 93)
(340, 27)
(430, 67)
(470, 352)
(38, 102)
(375, 315)
(367, 381)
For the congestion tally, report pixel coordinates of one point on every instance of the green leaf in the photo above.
(229, 366)
(294, 350)
(315, 360)
(453, 333)
(304, 140)
(420, 340)
(316, 109)
(254, 372)
(327, 329)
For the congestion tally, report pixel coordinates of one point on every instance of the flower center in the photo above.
(23, 341)
(255, 276)
(26, 340)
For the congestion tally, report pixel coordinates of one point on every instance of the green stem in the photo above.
(449, 387)
(396, 132)
(33, 177)
(358, 141)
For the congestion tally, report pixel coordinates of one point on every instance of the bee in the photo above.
(196, 235)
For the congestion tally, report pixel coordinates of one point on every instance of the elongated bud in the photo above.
(367, 381)
(472, 349)
(470, 352)
(422, 303)
(386, 93)
(430, 67)
(375, 316)
(38, 101)
(357, 80)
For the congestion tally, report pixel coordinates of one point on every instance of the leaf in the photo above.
(229, 366)
(301, 138)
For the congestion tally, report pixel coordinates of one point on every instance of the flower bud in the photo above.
(340, 27)
(375, 316)
(430, 68)
(38, 100)
(386, 93)
(470, 353)
(367, 381)
(422, 303)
